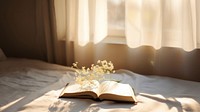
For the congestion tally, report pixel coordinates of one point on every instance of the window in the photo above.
(116, 18)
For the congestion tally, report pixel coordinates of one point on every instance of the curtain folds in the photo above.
(50, 21)
(162, 23)
(74, 30)
(82, 24)
(79, 26)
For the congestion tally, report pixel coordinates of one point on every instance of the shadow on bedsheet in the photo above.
(169, 103)
(27, 86)
(88, 105)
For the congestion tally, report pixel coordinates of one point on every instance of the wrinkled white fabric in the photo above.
(34, 86)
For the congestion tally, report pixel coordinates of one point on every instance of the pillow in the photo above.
(2, 55)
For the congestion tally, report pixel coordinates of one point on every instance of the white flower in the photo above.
(94, 73)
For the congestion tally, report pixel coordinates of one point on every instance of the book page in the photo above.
(113, 87)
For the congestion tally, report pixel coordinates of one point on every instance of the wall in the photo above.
(18, 34)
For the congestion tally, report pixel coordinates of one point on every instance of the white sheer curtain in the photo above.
(83, 26)
(158, 23)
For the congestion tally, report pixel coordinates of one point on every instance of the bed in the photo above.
(34, 86)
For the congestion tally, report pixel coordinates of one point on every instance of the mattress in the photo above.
(34, 86)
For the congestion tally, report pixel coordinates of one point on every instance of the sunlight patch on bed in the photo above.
(10, 104)
(189, 104)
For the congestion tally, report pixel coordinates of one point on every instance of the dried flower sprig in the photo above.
(95, 72)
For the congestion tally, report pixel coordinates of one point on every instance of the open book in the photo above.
(107, 90)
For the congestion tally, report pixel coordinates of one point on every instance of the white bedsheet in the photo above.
(34, 86)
